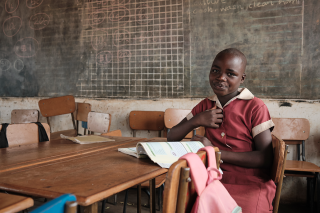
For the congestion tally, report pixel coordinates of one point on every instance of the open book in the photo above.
(162, 153)
(87, 139)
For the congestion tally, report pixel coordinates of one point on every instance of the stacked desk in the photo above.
(91, 172)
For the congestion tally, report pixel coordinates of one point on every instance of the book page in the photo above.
(160, 152)
(132, 151)
(192, 146)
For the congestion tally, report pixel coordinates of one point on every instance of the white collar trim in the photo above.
(245, 94)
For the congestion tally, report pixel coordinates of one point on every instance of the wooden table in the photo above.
(46, 152)
(14, 203)
(90, 175)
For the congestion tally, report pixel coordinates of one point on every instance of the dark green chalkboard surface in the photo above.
(156, 49)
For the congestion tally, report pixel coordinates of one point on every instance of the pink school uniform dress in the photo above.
(244, 117)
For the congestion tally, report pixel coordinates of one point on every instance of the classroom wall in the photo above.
(294, 189)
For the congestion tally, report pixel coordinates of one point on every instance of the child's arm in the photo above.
(209, 118)
(261, 157)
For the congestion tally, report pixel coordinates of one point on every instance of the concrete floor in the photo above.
(132, 205)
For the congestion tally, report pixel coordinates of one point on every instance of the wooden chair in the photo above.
(23, 134)
(146, 120)
(151, 121)
(98, 122)
(81, 114)
(64, 204)
(172, 117)
(176, 198)
(294, 131)
(59, 106)
(20, 116)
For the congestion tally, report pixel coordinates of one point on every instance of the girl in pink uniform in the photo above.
(238, 124)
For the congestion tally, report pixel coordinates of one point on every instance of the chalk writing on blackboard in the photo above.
(18, 65)
(104, 57)
(11, 5)
(207, 8)
(124, 55)
(4, 64)
(106, 3)
(39, 21)
(33, 3)
(26, 47)
(97, 18)
(144, 14)
(121, 37)
(118, 13)
(12, 25)
(98, 42)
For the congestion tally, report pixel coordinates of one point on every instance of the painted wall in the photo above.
(294, 189)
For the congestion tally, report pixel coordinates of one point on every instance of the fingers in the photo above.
(218, 121)
(217, 111)
(219, 115)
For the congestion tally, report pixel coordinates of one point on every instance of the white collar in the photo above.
(245, 94)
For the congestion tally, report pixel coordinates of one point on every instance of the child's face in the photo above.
(226, 74)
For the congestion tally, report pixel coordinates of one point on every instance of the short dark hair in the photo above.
(235, 52)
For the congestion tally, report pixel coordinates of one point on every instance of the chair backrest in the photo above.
(81, 114)
(280, 151)
(291, 129)
(146, 120)
(177, 197)
(19, 116)
(99, 122)
(58, 106)
(172, 117)
(22, 134)
(64, 204)
(82, 111)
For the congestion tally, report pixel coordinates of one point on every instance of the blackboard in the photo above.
(156, 49)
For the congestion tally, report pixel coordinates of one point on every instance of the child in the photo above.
(238, 124)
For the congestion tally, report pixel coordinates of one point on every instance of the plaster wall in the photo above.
(294, 189)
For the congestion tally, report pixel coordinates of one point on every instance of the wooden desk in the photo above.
(46, 152)
(91, 177)
(14, 203)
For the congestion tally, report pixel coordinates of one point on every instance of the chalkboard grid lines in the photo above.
(137, 49)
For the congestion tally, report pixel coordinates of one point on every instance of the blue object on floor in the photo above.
(56, 205)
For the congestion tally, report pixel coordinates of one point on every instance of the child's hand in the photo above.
(205, 141)
(210, 118)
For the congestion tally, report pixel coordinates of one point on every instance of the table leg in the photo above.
(139, 198)
(93, 208)
(152, 185)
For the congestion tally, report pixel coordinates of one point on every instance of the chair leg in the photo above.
(103, 206)
(125, 202)
(317, 176)
(148, 193)
(310, 194)
(139, 198)
(161, 188)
